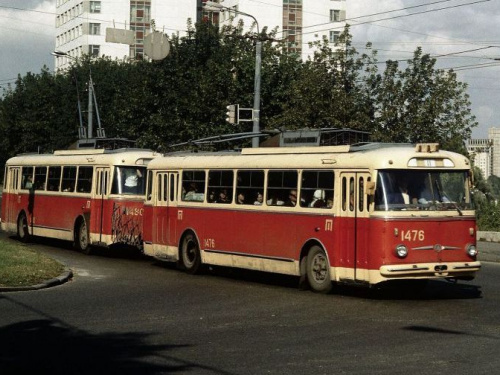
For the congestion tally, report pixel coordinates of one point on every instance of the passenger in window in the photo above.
(259, 199)
(69, 188)
(191, 193)
(223, 197)
(275, 201)
(318, 200)
(29, 183)
(292, 198)
(329, 203)
(211, 197)
(132, 181)
(240, 199)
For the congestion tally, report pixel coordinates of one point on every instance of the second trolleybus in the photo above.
(355, 214)
(88, 196)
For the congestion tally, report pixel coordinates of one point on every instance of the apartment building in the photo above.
(81, 24)
(481, 153)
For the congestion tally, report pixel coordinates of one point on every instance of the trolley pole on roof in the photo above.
(213, 6)
(92, 100)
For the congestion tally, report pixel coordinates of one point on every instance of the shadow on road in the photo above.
(50, 346)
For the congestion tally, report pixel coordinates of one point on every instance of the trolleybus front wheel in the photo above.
(22, 228)
(318, 270)
(190, 254)
(82, 242)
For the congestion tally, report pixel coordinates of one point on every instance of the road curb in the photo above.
(61, 279)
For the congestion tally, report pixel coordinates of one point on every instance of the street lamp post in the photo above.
(213, 6)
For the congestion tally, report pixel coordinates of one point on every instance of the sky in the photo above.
(460, 34)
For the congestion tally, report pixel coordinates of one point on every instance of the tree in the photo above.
(422, 104)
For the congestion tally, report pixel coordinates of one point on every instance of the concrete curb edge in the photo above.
(61, 279)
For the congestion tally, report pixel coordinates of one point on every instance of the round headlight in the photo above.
(471, 250)
(401, 251)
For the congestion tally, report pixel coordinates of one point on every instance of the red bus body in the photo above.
(360, 240)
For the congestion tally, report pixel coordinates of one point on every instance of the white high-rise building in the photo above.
(81, 24)
(300, 22)
(481, 153)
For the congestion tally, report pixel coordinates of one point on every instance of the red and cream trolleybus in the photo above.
(89, 196)
(358, 214)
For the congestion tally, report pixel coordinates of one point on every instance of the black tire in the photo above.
(190, 254)
(23, 233)
(82, 242)
(318, 270)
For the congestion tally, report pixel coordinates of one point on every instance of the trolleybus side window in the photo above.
(84, 184)
(193, 186)
(249, 187)
(317, 189)
(54, 179)
(27, 178)
(282, 188)
(220, 185)
(40, 178)
(68, 179)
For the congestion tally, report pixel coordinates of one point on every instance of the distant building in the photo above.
(494, 136)
(481, 153)
(81, 24)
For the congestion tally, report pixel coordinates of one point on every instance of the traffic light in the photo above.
(232, 113)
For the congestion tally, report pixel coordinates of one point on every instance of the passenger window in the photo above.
(220, 186)
(361, 194)
(40, 178)
(282, 188)
(344, 194)
(250, 187)
(85, 175)
(193, 186)
(27, 178)
(317, 189)
(68, 179)
(172, 187)
(54, 179)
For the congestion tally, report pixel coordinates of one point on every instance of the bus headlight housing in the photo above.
(471, 250)
(401, 251)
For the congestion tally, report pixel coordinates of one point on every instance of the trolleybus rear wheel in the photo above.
(318, 270)
(190, 254)
(82, 242)
(22, 228)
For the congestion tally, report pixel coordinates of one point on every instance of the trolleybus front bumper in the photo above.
(432, 270)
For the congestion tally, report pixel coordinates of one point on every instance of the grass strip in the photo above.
(22, 266)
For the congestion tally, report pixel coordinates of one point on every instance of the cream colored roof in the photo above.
(369, 156)
(90, 157)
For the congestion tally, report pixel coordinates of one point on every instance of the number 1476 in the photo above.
(412, 235)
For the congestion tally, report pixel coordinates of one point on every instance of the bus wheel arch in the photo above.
(315, 270)
(189, 253)
(23, 232)
(82, 235)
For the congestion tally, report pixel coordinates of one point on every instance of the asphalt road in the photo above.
(125, 314)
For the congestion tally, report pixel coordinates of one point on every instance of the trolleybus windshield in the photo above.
(422, 190)
(129, 181)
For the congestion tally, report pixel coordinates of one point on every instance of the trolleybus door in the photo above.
(98, 201)
(353, 224)
(13, 197)
(164, 225)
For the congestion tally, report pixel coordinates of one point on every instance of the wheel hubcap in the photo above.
(319, 269)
